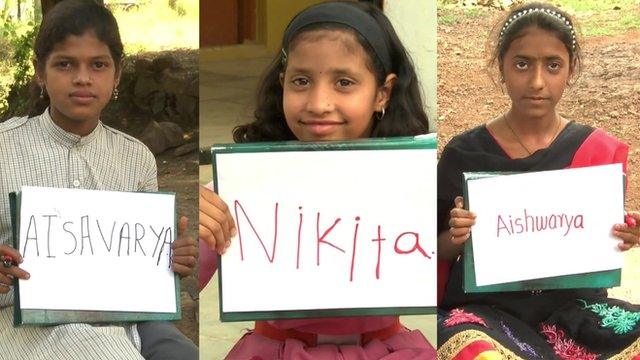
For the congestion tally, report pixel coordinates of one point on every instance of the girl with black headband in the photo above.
(342, 74)
(537, 54)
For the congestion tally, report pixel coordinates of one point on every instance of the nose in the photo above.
(537, 77)
(319, 100)
(83, 76)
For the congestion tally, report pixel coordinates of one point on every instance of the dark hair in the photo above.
(543, 16)
(74, 17)
(405, 115)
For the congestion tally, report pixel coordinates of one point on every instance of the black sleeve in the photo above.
(449, 183)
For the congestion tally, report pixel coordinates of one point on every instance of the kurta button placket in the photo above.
(75, 167)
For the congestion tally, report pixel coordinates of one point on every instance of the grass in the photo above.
(593, 5)
(156, 27)
(449, 15)
(603, 17)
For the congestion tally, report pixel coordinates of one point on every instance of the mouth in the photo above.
(82, 96)
(537, 98)
(321, 127)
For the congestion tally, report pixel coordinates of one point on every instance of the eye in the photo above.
(522, 65)
(554, 66)
(62, 64)
(345, 83)
(99, 65)
(300, 81)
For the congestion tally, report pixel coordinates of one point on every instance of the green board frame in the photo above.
(598, 279)
(53, 317)
(428, 141)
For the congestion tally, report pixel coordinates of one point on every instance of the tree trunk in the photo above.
(48, 4)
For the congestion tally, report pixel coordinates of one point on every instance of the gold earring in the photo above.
(41, 92)
(115, 93)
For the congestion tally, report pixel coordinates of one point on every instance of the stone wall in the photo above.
(162, 89)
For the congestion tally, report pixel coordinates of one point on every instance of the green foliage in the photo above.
(16, 70)
(17, 31)
(168, 24)
(178, 8)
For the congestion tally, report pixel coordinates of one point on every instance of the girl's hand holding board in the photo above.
(628, 232)
(8, 274)
(216, 224)
(460, 222)
(185, 252)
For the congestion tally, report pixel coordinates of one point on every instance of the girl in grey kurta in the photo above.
(78, 63)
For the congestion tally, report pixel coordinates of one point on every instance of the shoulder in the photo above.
(577, 129)
(121, 136)
(13, 125)
(462, 151)
(601, 139)
(469, 137)
(128, 144)
(593, 136)
(596, 147)
(476, 139)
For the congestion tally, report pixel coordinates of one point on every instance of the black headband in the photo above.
(345, 14)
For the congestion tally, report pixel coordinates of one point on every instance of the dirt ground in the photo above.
(605, 95)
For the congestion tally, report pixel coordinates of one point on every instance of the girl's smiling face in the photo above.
(79, 76)
(329, 90)
(536, 68)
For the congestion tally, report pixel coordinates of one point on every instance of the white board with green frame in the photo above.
(328, 229)
(94, 256)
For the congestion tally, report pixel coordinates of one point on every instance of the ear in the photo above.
(281, 78)
(501, 71)
(572, 70)
(118, 74)
(39, 74)
(384, 92)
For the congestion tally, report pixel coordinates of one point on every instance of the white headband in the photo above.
(553, 13)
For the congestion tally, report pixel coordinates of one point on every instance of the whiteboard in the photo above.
(544, 224)
(97, 250)
(356, 229)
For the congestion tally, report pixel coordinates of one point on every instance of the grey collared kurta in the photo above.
(35, 151)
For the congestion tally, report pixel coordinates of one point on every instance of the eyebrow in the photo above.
(70, 57)
(335, 71)
(525, 57)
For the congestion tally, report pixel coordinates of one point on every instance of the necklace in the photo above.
(555, 134)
